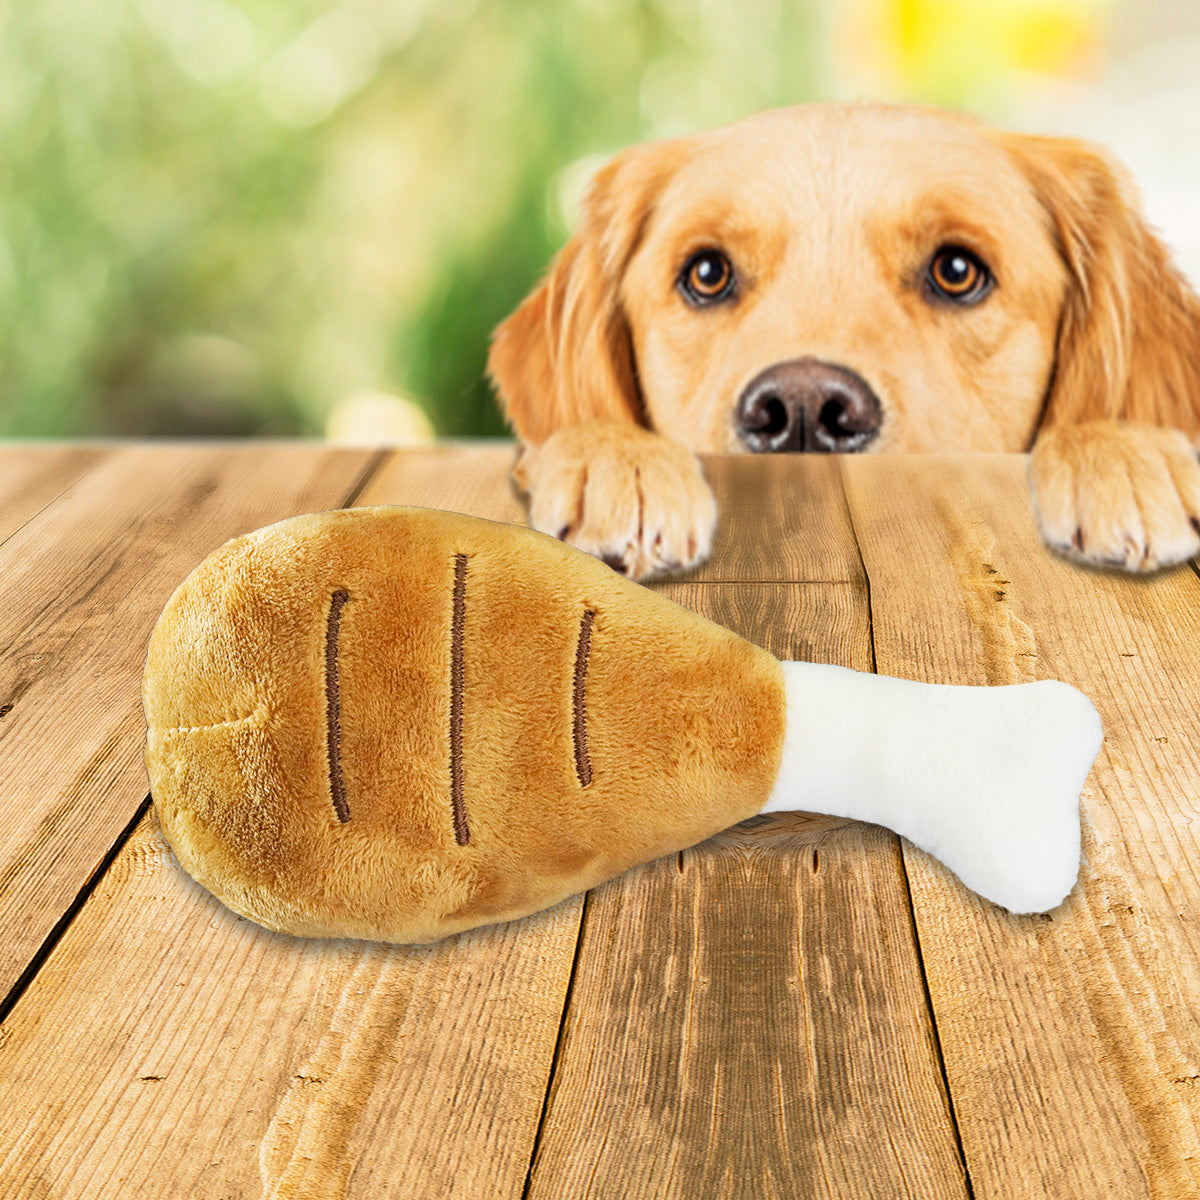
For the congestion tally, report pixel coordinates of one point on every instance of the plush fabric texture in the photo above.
(396, 724)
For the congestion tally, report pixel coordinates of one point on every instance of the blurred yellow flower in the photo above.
(964, 52)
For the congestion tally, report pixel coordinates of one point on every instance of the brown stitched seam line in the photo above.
(462, 835)
(333, 707)
(583, 764)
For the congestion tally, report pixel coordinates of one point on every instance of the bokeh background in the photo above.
(303, 218)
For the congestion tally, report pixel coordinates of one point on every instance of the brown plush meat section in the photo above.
(461, 703)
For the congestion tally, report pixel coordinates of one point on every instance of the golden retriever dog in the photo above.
(857, 279)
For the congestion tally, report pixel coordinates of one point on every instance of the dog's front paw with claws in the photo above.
(630, 497)
(1118, 494)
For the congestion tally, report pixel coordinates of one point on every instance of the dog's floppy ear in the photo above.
(565, 355)
(1130, 327)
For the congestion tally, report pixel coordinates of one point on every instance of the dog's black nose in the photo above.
(807, 405)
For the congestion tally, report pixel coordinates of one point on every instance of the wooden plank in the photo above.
(32, 476)
(168, 1048)
(748, 1018)
(781, 517)
(221, 1060)
(83, 582)
(472, 479)
(1071, 1041)
(782, 1042)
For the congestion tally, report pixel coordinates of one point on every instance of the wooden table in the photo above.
(800, 1007)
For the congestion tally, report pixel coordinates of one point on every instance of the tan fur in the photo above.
(237, 749)
(565, 352)
(641, 502)
(830, 214)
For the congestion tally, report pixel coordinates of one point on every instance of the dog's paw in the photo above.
(630, 497)
(1117, 494)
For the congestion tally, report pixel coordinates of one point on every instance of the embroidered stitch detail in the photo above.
(253, 716)
(462, 835)
(583, 763)
(333, 707)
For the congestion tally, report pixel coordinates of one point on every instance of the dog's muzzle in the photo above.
(805, 405)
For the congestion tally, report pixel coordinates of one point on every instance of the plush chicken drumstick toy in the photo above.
(395, 724)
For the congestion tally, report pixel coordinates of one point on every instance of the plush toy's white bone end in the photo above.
(986, 779)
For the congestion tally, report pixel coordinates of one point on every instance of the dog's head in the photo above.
(849, 278)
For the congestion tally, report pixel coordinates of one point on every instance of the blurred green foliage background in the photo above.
(223, 217)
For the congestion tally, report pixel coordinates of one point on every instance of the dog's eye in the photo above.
(707, 277)
(956, 274)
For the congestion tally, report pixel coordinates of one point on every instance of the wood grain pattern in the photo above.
(207, 1057)
(782, 517)
(221, 1060)
(1071, 1041)
(84, 580)
(466, 479)
(32, 476)
(748, 1019)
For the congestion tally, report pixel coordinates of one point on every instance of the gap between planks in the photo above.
(641, 924)
(292, 1164)
(51, 486)
(1069, 1039)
